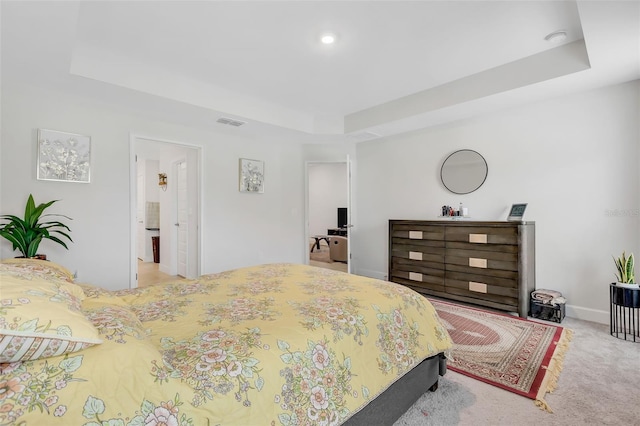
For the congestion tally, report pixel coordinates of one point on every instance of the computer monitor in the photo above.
(342, 217)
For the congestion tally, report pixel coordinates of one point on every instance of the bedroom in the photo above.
(580, 151)
(571, 155)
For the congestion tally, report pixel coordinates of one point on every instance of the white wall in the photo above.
(573, 159)
(238, 229)
(327, 192)
(151, 187)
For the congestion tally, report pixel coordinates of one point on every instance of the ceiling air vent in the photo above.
(230, 122)
(365, 136)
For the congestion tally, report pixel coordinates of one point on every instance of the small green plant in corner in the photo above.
(625, 267)
(26, 233)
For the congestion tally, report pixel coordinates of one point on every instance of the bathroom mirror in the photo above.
(464, 171)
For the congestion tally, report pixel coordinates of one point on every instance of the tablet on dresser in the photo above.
(517, 211)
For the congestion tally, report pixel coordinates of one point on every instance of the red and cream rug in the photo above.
(521, 356)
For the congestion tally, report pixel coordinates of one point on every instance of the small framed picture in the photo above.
(517, 211)
(251, 176)
(63, 156)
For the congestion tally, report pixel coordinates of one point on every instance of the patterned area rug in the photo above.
(521, 356)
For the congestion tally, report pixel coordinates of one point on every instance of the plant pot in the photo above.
(628, 285)
(37, 256)
(627, 297)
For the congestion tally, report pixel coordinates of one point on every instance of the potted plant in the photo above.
(625, 276)
(625, 291)
(26, 234)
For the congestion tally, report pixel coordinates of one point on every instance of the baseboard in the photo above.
(371, 274)
(164, 269)
(587, 314)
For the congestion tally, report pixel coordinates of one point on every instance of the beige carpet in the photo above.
(598, 386)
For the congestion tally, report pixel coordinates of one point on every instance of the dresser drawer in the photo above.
(492, 272)
(411, 250)
(415, 231)
(482, 290)
(421, 275)
(500, 248)
(482, 234)
(487, 260)
(418, 245)
(509, 304)
(492, 281)
(425, 288)
(419, 280)
(403, 267)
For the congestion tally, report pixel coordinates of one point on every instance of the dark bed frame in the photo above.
(391, 404)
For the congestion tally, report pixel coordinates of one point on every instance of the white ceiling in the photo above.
(397, 66)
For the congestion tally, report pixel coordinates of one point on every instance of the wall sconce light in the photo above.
(162, 181)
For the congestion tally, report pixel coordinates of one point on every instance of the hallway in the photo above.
(149, 274)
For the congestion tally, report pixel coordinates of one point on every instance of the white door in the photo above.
(182, 223)
(349, 210)
(140, 217)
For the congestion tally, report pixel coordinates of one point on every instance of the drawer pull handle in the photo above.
(415, 235)
(414, 276)
(415, 255)
(477, 263)
(477, 287)
(478, 238)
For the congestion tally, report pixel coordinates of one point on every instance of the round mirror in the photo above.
(464, 171)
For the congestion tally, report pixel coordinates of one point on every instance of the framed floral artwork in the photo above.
(63, 156)
(251, 176)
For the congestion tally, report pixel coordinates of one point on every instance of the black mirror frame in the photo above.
(486, 167)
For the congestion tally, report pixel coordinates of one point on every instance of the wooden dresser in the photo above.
(485, 263)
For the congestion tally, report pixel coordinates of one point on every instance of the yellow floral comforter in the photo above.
(277, 344)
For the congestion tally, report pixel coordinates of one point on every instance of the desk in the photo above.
(319, 238)
(337, 231)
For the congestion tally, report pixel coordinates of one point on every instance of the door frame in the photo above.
(347, 162)
(133, 196)
(140, 183)
(175, 166)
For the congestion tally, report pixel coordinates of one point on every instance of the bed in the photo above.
(276, 344)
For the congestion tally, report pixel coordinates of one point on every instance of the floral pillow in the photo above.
(39, 268)
(40, 317)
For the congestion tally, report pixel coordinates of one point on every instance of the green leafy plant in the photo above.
(624, 265)
(27, 233)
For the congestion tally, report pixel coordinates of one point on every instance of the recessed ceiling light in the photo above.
(328, 38)
(556, 36)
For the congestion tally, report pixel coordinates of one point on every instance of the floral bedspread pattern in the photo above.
(277, 344)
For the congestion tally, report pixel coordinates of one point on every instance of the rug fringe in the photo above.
(550, 382)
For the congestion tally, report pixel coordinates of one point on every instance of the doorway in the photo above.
(328, 213)
(166, 203)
